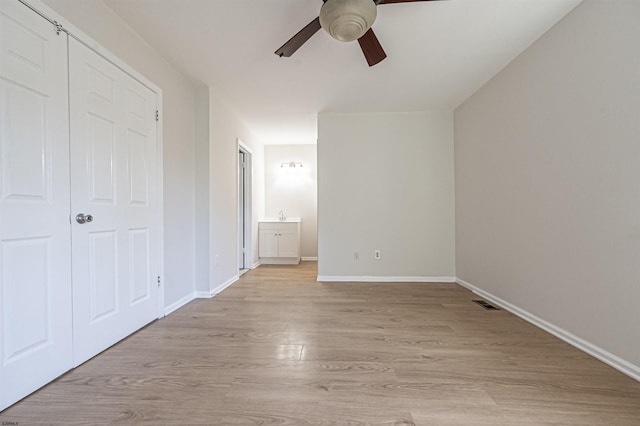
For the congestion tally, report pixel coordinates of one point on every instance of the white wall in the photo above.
(547, 159)
(225, 129)
(178, 116)
(294, 191)
(385, 181)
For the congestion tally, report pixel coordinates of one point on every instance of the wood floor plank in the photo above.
(278, 347)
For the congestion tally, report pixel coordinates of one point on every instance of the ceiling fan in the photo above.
(345, 20)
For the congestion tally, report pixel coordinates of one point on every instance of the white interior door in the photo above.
(115, 256)
(245, 219)
(241, 212)
(35, 269)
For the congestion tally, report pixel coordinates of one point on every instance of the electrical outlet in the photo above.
(376, 254)
(356, 255)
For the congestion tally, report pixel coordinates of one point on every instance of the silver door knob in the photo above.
(84, 218)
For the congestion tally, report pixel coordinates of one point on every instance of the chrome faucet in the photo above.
(282, 215)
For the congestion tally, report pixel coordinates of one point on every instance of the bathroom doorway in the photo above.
(244, 208)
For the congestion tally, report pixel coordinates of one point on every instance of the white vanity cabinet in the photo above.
(279, 242)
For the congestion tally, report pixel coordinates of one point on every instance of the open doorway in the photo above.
(244, 208)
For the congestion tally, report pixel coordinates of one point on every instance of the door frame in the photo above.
(247, 219)
(51, 15)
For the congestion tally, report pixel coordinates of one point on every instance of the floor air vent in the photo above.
(487, 305)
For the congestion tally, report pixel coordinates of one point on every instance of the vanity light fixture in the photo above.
(292, 164)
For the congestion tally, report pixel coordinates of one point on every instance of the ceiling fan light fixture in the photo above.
(347, 20)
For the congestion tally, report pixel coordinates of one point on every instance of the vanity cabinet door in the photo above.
(268, 243)
(288, 241)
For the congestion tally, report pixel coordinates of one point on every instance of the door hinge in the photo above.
(157, 115)
(59, 28)
(158, 280)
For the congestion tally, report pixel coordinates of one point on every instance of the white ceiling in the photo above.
(439, 53)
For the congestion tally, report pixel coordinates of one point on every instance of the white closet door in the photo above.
(114, 179)
(35, 269)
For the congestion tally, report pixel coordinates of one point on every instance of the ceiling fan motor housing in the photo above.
(347, 20)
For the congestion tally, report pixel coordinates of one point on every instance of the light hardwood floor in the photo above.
(279, 348)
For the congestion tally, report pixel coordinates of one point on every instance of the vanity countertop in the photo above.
(275, 219)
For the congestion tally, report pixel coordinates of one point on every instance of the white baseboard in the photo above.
(309, 259)
(607, 357)
(255, 265)
(216, 290)
(179, 304)
(376, 279)
(279, 260)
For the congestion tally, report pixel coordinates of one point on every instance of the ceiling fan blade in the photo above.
(373, 51)
(299, 39)
(399, 1)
